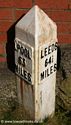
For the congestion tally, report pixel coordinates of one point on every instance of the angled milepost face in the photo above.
(47, 61)
(24, 60)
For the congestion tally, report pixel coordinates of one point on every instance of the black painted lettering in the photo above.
(25, 74)
(56, 46)
(48, 72)
(18, 46)
(24, 62)
(45, 51)
(42, 55)
(19, 60)
(29, 57)
(50, 60)
(49, 49)
(29, 77)
(25, 52)
(46, 62)
(42, 75)
(55, 67)
(51, 69)
(45, 73)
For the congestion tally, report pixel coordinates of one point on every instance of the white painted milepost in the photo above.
(36, 63)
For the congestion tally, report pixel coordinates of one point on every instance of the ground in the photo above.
(9, 107)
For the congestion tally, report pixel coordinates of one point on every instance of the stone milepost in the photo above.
(36, 64)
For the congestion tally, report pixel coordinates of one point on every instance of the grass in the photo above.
(60, 118)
